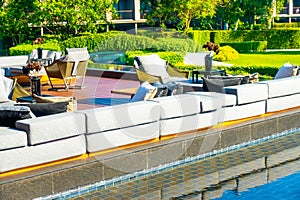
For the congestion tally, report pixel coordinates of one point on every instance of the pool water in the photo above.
(268, 170)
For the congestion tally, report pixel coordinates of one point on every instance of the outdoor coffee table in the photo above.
(195, 74)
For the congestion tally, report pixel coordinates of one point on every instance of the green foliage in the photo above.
(200, 37)
(26, 49)
(91, 41)
(248, 46)
(127, 42)
(226, 53)
(77, 16)
(276, 39)
(286, 25)
(161, 33)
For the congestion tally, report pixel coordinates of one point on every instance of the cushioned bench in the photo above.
(283, 93)
(250, 101)
(181, 113)
(41, 140)
(109, 127)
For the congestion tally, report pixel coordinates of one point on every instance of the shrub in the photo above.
(26, 49)
(127, 42)
(91, 41)
(226, 53)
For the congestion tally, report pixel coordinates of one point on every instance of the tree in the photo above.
(72, 16)
(15, 15)
(248, 12)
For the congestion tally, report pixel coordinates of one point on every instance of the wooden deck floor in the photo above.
(96, 93)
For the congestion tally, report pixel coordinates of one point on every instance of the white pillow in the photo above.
(287, 70)
(6, 86)
(146, 91)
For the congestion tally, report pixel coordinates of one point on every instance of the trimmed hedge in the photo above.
(200, 37)
(26, 49)
(276, 39)
(127, 42)
(91, 41)
(247, 47)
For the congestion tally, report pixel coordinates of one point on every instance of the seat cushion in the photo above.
(248, 93)
(178, 105)
(12, 138)
(283, 86)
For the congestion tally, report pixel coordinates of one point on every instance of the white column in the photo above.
(137, 9)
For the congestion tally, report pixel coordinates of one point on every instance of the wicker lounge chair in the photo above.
(153, 69)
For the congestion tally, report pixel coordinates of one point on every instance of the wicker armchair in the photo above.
(153, 69)
(62, 71)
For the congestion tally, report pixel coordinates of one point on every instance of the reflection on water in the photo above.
(108, 57)
(224, 175)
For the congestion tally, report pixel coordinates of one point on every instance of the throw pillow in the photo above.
(6, 86)
(287, 70)
(174, 88)
(43, 109)
(72, 106)
(216, 85)
(162, 90)
(145, 91)
(10, 114)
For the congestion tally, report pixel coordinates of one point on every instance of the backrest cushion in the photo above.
(216, 85)
(6, 86)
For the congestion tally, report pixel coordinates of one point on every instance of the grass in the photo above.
(275, 59)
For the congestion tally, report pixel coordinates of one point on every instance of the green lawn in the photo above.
(275, 59)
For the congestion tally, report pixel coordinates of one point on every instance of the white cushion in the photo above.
(248, 93)
(53, 127)
(281, 103)
(242, 111)
(12, 138)
(178, 105)
(119, 137)
(38, 154)
(187, 123)
(13, 61)
(147, 61)
(145, 91)
(6, 86)
(121, 116)
(213, 101)
(287, 70)
(34, 54)
(282, 87)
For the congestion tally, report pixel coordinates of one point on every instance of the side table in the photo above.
(195, 74)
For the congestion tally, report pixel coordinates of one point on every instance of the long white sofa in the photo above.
(64, 135)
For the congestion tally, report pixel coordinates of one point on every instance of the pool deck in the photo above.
(40, 181)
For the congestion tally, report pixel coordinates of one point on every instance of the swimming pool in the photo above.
(266, 170)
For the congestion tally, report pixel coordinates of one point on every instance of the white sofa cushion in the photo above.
(120, 137)
(248, 93)
(121, 116)
(281, 103)
(212, 101)
(283, 86)
(242, 111)
(53, 127)
(178, 105)
(43, 153)
(12, 138)
(6, 86)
